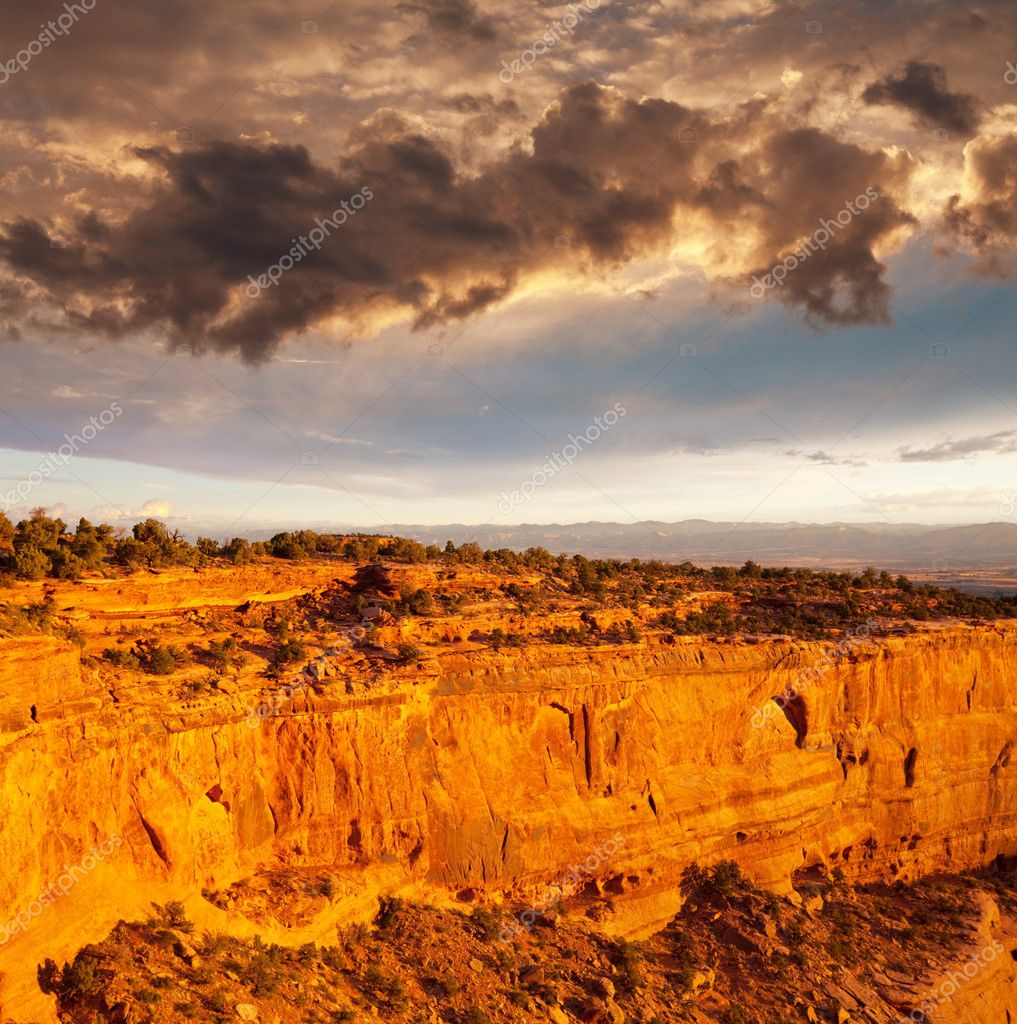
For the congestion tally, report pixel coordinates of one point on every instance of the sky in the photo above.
(441, 261)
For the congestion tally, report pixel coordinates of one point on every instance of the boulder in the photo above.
(746, 943)
(532, 975)
(602, 1011)
(187, 953)
(812, 905)
(604, 987)
(615, 1014)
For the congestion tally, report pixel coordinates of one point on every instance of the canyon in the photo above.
(469, 771)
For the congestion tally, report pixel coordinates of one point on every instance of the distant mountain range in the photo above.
(906, 547)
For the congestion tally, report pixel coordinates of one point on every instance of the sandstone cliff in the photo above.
(497, 771)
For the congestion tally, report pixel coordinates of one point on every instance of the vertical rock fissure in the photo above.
(587, 755)
(909, 767)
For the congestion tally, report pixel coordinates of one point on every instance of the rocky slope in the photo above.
(471, 772)
(871, 954)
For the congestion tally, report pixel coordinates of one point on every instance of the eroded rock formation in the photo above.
(497, 771)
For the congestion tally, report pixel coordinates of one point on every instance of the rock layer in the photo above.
(498, 771)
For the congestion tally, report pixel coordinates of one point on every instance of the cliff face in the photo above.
(498, 772)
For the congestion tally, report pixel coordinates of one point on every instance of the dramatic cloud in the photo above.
(458, 19)
(921, 88)
(813, 182)
(605, 180)
(985, 215)
(160, 159)
(147, 176)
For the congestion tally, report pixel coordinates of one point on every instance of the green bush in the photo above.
(121, 658)
(723, 879)
(224, 654)
(31, 564)
(163, 661)
(408, 652)
(488, 922)
(628, 961)
(389, 908)
(172, 915)
(290, 651)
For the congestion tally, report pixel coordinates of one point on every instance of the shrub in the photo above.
(214, 944)
(31, 564)
(354, 935)
(261, 974)
(48, 976)
(408, 652)
(163, 661)
(389, 988)
(488, 922)
(290, 651)
(724, 879)
(727, 877)
(224, 654)
(172, 915)
(238, 551)
(415, 602)
(77, 978)
(628, 961)
(333, 958)
(121, 658)
(389, 910)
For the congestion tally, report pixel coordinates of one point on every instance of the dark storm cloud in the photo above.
(453, 19)
(606, 180)
(483, 115)
(922, 89)
(815, 178)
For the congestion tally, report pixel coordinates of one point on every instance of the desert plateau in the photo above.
(361, 777)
